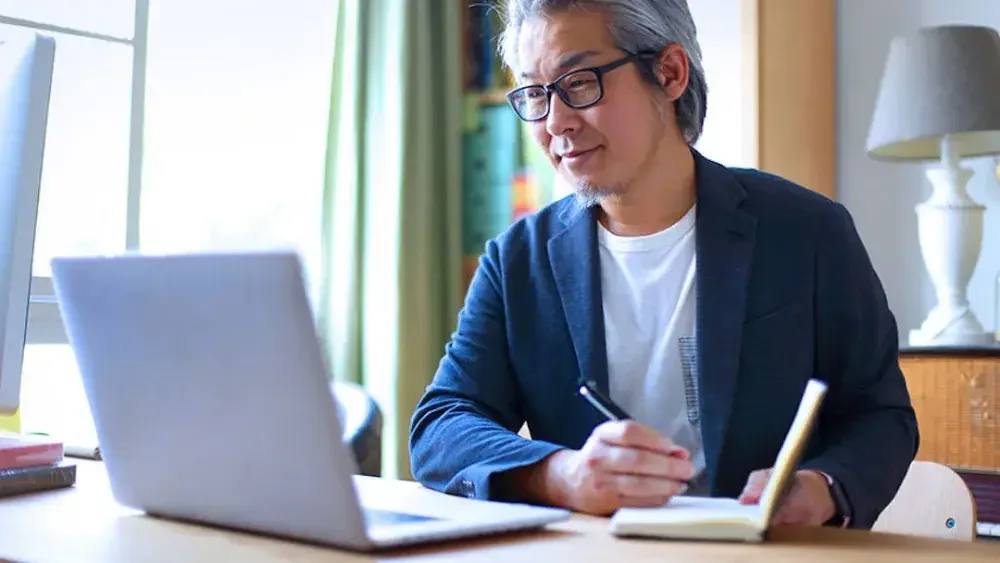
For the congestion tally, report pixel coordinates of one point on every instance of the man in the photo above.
(700, 298)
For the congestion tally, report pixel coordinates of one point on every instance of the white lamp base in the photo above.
(950, 225)
(919, 339)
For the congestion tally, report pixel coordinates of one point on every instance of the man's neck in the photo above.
(656, 202)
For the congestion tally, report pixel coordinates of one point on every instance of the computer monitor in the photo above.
(26, 61)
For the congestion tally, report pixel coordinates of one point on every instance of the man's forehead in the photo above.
(555, 43)
(563, 62)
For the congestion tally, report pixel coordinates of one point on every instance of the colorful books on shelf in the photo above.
(503, 178)
(490, 163)
(525, 194)
(483, 70)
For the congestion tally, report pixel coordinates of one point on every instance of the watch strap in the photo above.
(842, 518)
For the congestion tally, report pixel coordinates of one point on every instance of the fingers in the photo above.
(793, 509)
(783, 517)
(644, 502)
(633, 448)
(640, 489)
(630, 434)
(798, 509)
(793, 513)
(681, 453)
(628, 464)
(622, 460)
(755, 486)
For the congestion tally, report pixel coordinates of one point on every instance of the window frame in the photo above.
(45, 325)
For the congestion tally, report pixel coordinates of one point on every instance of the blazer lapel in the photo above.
(725, 241)
(576, 269)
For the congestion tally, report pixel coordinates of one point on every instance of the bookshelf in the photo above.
(504, 173)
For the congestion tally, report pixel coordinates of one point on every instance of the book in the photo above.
(726, 519)
(23, 480)
(20, 450)
(984, 485)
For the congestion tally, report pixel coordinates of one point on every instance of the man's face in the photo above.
(601, 149)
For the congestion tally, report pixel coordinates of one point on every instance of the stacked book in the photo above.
(33, 463)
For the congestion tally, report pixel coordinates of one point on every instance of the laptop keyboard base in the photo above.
(375, 517)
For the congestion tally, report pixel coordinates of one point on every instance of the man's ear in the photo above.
(671, 70)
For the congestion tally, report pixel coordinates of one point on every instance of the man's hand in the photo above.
(623, 463)
(807, 501)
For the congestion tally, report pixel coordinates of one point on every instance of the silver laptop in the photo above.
(208, 388)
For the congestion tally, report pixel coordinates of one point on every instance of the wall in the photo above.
(882, 196)
(721, 37)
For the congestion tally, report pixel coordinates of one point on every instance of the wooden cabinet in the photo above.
(956, 395)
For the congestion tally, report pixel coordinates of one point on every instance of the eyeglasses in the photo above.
(578, 89)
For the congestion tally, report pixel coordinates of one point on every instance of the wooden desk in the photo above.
(83, 525)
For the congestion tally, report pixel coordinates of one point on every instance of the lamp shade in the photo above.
(939, 81)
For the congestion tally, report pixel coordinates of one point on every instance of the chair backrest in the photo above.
(932, 501)
(362, 423)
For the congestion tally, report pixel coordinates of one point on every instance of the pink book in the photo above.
(28, 451)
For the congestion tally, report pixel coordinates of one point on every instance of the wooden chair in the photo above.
(933, 501)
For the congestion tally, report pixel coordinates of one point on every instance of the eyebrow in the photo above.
(567, 62)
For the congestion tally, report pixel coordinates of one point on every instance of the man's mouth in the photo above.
(577, 155)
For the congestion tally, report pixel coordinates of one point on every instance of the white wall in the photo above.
(720, 36)
(882, 196)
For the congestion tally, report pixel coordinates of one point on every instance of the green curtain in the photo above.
(392, 255)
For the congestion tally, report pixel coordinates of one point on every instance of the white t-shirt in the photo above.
(648, 287)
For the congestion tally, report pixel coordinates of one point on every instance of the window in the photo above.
(111, 18)
(237, 104)
(174, 126)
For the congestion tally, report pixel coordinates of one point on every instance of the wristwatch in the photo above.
(842, 506)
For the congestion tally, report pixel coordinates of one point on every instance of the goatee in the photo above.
(588, 195)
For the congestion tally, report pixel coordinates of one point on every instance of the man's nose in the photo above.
(562, 119)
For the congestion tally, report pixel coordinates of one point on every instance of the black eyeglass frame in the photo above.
(599, 71)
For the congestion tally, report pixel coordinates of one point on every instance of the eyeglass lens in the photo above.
(577, 90)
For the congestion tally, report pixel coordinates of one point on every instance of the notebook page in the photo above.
(694, 511)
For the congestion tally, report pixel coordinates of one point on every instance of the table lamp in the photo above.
(939, 100)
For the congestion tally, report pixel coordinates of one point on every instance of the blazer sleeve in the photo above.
(464, 428)
(867, 434)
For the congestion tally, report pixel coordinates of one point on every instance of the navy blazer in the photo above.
(785, 293)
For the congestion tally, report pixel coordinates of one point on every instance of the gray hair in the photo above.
(636, 26)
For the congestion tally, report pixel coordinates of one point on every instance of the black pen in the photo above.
(609, 409)
(603, 404)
